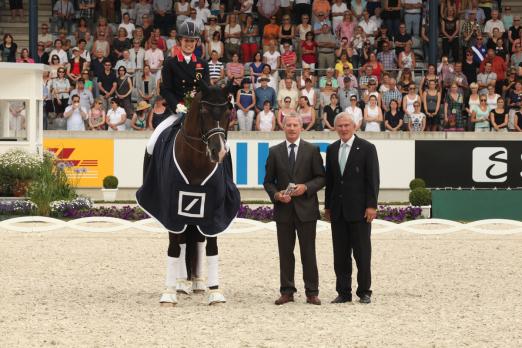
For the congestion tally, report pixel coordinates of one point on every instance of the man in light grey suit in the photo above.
(352, 190)
(299, 162)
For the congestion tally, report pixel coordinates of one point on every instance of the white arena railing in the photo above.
(108, 224)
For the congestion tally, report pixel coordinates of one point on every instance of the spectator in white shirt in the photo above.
(128, 25)
(202, 11)
(154, 58)
(369, 27)
(116, 117)
(493, 23)
(75, 115)
(59, 52)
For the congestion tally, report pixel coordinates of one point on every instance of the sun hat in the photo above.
(142, 105)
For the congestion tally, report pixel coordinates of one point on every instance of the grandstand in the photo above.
(362, 44)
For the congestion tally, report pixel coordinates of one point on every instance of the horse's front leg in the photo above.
(215, 295)
(176, 268)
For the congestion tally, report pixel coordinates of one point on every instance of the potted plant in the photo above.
(110, 188)
(421, 197)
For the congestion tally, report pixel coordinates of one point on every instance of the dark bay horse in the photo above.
(201, 157)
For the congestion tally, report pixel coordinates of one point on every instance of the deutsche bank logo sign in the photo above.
(490, 164)
(191, 204)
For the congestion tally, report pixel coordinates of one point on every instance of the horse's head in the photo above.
(214, 116)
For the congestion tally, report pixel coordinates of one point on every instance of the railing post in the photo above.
(33, 27)
(433, 17)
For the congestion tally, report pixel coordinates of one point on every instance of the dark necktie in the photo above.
(291, 157)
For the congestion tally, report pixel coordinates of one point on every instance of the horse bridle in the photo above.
(205, 136)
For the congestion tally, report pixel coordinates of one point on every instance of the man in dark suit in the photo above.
(298, 162)
(352, 187)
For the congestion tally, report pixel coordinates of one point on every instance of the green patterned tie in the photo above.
(344, 156)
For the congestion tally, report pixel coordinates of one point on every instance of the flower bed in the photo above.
(17, 208)
(126, 213)
(83, 207)
(388, 213)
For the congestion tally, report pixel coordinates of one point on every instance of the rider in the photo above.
(181, 73)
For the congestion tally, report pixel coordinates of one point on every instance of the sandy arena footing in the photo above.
(72, 289)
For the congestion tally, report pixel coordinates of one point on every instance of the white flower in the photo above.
(181, 109)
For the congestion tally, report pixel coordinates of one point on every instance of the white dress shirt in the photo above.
(288, 148)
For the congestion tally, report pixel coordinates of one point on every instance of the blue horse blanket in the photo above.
(167, 196)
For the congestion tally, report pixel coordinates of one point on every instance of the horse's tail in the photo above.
(191, 255)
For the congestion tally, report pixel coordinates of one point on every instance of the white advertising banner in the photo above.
(396, 160)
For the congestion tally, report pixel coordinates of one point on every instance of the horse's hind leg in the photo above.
(198, 281)
(215, 296)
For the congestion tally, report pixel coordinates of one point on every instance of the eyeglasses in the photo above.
(483, 100)
(287, 101)
(61, 72)
(412, 88)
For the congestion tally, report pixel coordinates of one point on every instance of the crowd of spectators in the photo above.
(320, 57)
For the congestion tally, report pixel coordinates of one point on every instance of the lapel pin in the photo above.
(357, 148)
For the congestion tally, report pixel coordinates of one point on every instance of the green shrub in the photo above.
(417, 183)
(110, 182)
(50, 185)
(420, 196)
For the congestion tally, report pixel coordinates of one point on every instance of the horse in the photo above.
(200, 155)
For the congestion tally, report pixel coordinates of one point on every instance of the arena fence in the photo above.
(40, 224)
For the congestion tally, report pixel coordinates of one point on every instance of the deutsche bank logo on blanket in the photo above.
(191, 204)
(490, 164)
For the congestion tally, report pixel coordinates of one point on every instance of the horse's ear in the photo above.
(228, 87)
(204, 86)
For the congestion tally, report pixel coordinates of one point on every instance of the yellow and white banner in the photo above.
(86, 161)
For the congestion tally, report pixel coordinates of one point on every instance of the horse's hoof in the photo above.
(184, 287)
(168, 298)
(198, 285)
(215, 297)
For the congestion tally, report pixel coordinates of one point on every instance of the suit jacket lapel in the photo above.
(335, 155)
(284, 156)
